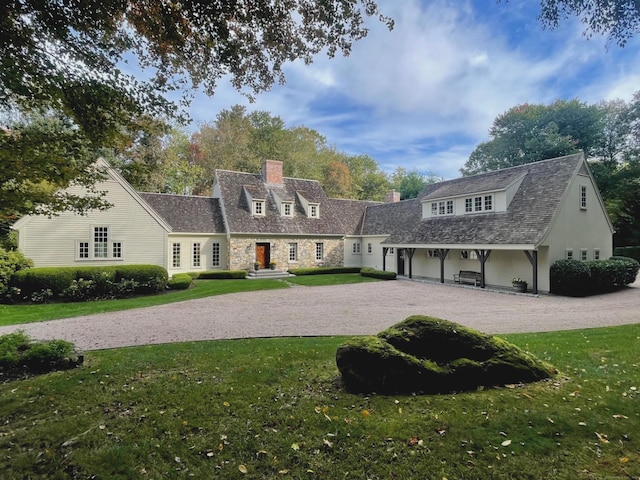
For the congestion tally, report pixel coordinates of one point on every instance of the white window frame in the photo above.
(479, 203)
(488, 203)
(583, 254)
(83, 250)
(314, 210)
(258, 208)
(434, 209)
(468, 255)
(468, 205)
(319, 251)
(369, 248)
(568, 254)
(287, 209)
(596, 254)
(176, 254)
(215, 254)
(117, 250)
(293, 252)
(583, 197)
(356, 248)
(100, 242)
(196, 255)
(392, 251)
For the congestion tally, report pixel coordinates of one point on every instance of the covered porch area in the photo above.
(477, 265)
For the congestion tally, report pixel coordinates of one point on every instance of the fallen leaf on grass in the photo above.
(243, 469)
(295, 446)
(506, 443)
(621, 416)
(602, 437)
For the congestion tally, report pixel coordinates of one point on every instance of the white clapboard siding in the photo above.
(53, 241)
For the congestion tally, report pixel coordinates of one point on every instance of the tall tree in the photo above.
(618, 19)
(67, 55)
(529, 133)
(37, 180)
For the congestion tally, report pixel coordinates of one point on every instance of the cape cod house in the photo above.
(510, 223)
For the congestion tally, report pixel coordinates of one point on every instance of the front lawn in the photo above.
(272, 408)
(18, 314)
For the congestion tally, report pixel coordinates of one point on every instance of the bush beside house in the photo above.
(10, 262)
(574, 278)
(84, 283)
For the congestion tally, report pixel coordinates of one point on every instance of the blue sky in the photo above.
(425, 94)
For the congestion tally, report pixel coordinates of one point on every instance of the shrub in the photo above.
(38, 280)
(381, 274)
(222, 274)
(323, 270)
(570, 278)
(20, 355)
(42, 284)
(10, 262)
(150, 278)
(180, 281)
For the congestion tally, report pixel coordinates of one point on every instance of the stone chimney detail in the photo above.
(393, 196)
(272, 172)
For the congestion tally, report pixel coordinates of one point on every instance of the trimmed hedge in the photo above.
(222, 274)
(87, 282)
(180, 281)
(578, 279)
(381, 274)
(323, 270)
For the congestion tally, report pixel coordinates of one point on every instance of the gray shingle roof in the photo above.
(186, 213)
(526, 220)
(337, 217)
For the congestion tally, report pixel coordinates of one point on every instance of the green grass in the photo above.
(18, 314)
(273, 408)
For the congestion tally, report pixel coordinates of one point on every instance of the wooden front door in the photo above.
(262, 254)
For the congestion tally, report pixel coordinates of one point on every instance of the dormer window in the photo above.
(479, 203)
(287, 209)
(444, 207)
(314, 211)
(258, 208)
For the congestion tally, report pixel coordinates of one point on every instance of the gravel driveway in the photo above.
(357, 309)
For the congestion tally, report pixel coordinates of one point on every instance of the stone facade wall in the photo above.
(242, 252)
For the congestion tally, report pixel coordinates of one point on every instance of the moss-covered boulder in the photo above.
(429, 355)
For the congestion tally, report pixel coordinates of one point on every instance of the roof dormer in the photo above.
(312, 209)
(256, 201)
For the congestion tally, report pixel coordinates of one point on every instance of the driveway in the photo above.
(359, 309)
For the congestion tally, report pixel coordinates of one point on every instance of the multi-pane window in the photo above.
(215, 255)
(369, 248)
(442, 208)
(287, 210)
(583, 254)
(83, 249)
(355, 248)
(258, 207)
(175, 254)
(392, 251)
(100, 242)
(319, 251)
(478, 204)
(583, 196)
(569, 254)
(596, 254)
(293, 252)
(116, 249)
(196, 254)
(468, 255)
(313, 211)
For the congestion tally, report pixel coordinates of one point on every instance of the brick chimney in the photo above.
(272, 172)
(393, 196)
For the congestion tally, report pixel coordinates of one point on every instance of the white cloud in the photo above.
(423, 95)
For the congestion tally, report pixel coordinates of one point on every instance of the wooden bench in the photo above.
(467, 276)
